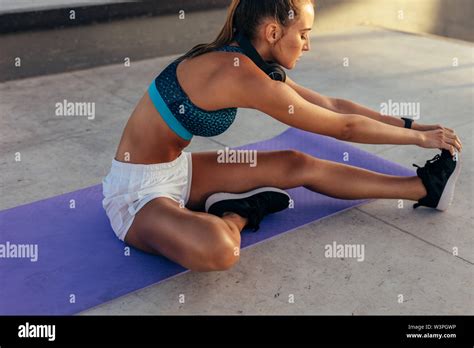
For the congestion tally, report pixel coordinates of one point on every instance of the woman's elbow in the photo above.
(346, 129)
(345, 134)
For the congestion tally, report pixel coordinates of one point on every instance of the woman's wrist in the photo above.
(420, 137)
(408, 122)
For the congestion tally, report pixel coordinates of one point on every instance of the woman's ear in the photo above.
(271, 32)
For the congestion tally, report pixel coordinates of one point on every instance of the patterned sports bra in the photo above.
(179, 112)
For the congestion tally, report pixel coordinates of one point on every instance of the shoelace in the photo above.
(433, 165)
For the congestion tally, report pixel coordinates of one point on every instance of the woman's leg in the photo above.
(198, 241)
(204, 242)
(349, 182)
(289, 169)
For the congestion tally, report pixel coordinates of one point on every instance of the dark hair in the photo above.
(245, 16)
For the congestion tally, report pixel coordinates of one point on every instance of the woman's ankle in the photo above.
(420, 189)
(235, 218)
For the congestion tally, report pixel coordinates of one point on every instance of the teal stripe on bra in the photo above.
(166, 113)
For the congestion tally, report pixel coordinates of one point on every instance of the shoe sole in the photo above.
(223, 196)
(448, 192)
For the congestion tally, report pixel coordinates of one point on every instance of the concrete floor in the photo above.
(407, 252)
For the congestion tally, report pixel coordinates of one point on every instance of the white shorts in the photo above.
(128, 187)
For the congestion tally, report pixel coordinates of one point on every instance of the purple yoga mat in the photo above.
(80, 263)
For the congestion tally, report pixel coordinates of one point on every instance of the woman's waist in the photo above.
(153, 147)
(149, 165)
(149, 155)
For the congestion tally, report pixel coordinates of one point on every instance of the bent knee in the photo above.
(226, 257)
(220, 253)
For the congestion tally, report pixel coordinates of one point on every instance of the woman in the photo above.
(189, 207)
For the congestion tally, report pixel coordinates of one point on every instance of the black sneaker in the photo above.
(253, 205)
(439, 176)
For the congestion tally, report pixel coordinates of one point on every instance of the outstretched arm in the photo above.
(314, 97)
(342, 106)
(253, 89)
(347, 106)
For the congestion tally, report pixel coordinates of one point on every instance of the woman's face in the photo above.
(291, 46)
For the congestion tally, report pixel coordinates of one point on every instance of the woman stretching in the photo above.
(191, 208)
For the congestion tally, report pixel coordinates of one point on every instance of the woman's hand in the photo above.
(441, 138)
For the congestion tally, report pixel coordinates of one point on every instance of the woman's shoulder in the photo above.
(216, 62)
(209, 79)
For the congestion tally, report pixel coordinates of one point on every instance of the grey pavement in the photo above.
(407, 252)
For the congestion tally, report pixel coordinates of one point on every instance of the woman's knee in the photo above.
(298, 164)
(219, 252)
(205, 242)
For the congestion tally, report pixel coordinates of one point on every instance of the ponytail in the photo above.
(224, 38)
(245, 16)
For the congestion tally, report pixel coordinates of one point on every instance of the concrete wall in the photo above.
(84, 46)
(44, 52)
(40, 15)
(451, 18)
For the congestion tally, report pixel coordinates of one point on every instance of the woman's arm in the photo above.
(343, 106)
(368, 131)
(348, 107)
(254, 89)
(314, 97)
